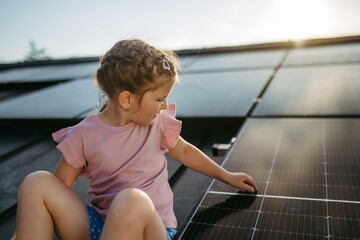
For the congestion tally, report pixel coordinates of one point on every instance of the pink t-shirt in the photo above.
(116, 158)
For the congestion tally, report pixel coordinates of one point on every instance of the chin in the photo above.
(151, 122)
(148, 123)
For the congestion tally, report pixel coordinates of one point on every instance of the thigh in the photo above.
(71, 218)
(66, 209)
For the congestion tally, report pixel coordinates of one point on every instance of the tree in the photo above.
(35, 53)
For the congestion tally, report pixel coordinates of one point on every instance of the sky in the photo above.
(83, 28)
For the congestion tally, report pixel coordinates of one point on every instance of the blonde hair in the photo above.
(135, 66)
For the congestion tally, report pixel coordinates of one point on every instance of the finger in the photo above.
(248, 187)
(252, 183)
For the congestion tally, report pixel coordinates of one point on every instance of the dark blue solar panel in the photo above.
(308, 175)
(64, 101)
(319, 91)
(69, 71)
(11, 140)
(22, 74)
(218, 94)
(236, 60)
(344, 53)
(49, 73)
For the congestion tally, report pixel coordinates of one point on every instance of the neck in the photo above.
(114, 115)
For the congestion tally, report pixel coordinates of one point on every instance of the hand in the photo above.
(241, 181)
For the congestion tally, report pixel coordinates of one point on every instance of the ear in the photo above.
(125, 99)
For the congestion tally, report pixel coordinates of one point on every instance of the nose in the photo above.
(164, 105)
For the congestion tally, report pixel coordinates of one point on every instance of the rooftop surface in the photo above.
(220, 90)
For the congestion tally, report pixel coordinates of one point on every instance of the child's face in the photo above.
(152, 103)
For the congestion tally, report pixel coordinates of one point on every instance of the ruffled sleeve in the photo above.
(172, 128)
(70, 147)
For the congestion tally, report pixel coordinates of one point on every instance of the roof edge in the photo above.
(273, 45)
(50, 62)
(187, 52)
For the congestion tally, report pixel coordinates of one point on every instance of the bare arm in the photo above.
(66, 173)
(192, 157)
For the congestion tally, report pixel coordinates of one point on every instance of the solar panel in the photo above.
(68, 71)
(308, 175)
(236, 60)
(317, 91)
(49, 73)
(42, 155)
(215, 94)
(344, 53)
(186, 61)
(218, 94)
(11, 140)
(7, 93)
(21, 74)
(62, 101)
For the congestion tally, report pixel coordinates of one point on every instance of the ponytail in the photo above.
(105, 104)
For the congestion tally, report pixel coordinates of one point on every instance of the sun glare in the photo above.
(296, 20)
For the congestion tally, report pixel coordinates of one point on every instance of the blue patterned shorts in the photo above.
(96, 226)
(170, 233)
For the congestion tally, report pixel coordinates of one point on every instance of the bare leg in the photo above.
(132, 215)
(45, 203)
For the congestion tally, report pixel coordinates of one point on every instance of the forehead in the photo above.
(164, 89)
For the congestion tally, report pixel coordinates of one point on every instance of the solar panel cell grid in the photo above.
(350, 193)
(344, 220)
(288, 215)
(219, 211)
(308, 180)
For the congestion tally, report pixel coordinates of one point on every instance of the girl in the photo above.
(121, 150)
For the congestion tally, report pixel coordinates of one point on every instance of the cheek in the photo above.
(151, 109)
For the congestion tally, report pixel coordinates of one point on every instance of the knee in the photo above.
(133, 203)
(34, 183)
